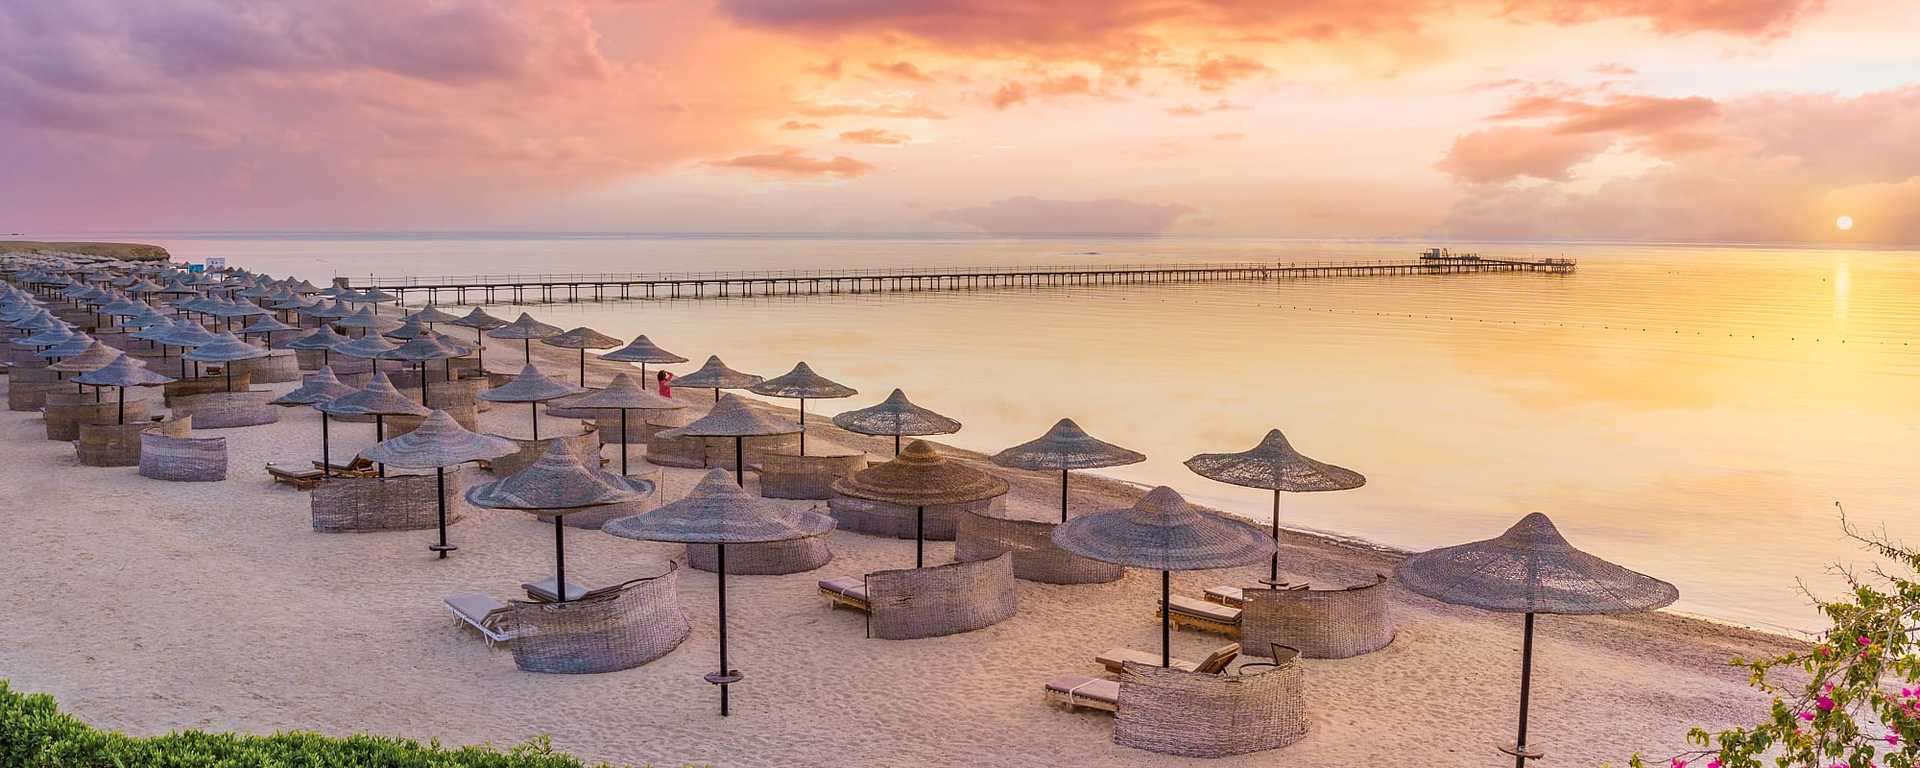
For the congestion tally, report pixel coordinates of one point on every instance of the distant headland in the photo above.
(123, 251)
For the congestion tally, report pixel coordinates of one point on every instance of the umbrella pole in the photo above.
(1521, 753)
(122, 419)
(423, 384)
(583, 367)
(1166, 618)
(536, 420)
(1273, 572)
(326, 452)
(440, 485)
(919, 537)
(228, 368)
(727, 675)
(623, 442)
(529, 350)
(380, 436)
(803, 426)
(896, 445)
(739, 460)
(1063, 495)
(559, 559)
(480, 347)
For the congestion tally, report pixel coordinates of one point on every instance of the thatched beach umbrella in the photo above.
(1531, 569)
(369, 347)
(526, 329)
(265, 326)
(643, 351)
(625, 394)
(374, 297)
(720, 513)
(328, 311)
(439, 442)
(920, 477)
(1066, 447)
(224, 348)
(324, 339)
(479, 321)
(1275, 465)
(420, 350)
(94, 357)
(1165, 533)
(533, 388)
(732, 417)
(802, 384)
(583, 339)
(186, 334)
(558, 483)
(408, 329)
(364, 320)
(125, 371)
(321, 387)
(431, 315)
(896, 416)
(715, 375)
(379, 399)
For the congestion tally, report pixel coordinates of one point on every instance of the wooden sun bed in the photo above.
(1204, 616)
(359, 467)
(850, 591)
(300, 479)
(1080, 691)
(1114, 659)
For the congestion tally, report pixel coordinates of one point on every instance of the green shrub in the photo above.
(34, 734)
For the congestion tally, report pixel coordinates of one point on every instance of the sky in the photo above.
(1659, 120)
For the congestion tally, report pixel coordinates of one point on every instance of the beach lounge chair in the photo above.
(1080, 691)
(300, 479)
(480, 613)
(1204, 616)
(1235, 597)
(1114, 659)
(850, 591)
(542, 591)
(359, 467)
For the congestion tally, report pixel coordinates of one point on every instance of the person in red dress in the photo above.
(666, 383)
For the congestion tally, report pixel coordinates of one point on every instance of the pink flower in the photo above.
(1715, 763)
(1906, 692)
(1864, 640)
(1807, 716)
(1825, 702)
(1893, 739)
(1679, 763)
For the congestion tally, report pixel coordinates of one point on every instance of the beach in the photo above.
(147, 606)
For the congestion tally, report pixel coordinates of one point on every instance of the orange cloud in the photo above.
(875, 136)
(1189, 110)
(1216, 73)
(1017, 92)
(790, 162)
(796, 125)
(904, 70)
(1510, 152)
(869, 110)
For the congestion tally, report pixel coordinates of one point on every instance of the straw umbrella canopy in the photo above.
(420, 350)
(480, 322)
(1531, 569)
(642, 350)
(558, 483)
(533, 388)
(1166, 533)
(266, 326)
(431, 314)
(1275, 465)
(625, 394)
(732, 417)
(920, 477)
(93, 357)
(369, 347)
(224, 348)
(186, 334)
(321, 387)
(408, 329)
(125, 371)
(526, 329)
(324, 339)
(378, 399)
(74, 344)
(1066, 447)
(896, 416)
(583, 339)
(720, 513)
(363, 319)
(802, 384)
(715, 375)
(374, 297)
(53, 336)
(439, 442)
(325, 311)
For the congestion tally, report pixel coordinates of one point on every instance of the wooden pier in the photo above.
(552, 288)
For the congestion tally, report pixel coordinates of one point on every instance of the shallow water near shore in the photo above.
(1692, 412)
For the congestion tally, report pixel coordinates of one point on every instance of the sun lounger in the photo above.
(1235, 597)
(357, 467)
(300, 479)
(1115, 658)
(481, 614)
(1080, 691)
(1205, 616)
(542, 591)
(850, 591)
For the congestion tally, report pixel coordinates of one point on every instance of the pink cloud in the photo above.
(792, 163)
(1510, 152)
(875, 136)
(905, 70)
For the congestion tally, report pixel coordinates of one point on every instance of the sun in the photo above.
(1843, 223)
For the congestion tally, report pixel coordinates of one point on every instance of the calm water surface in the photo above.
(1691, 412)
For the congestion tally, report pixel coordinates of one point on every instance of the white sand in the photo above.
(149, 606)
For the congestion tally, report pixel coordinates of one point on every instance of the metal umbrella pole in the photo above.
(440, 485)
(380, 436)
(1520, 751)
(739, 459)
(919, 537)
(1166, 618)
(1063, 495)
(803, 426)
(727, 675)
(623, 442)
(326, 452)
(559, 559)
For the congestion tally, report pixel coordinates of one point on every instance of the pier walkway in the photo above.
(550, 288)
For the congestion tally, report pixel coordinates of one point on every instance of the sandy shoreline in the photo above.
(147, 606)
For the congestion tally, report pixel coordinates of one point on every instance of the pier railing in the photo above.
(533, 278)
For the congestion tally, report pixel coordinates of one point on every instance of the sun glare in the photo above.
(1843, 223)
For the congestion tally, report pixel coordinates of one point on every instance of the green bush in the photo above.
(34, 734)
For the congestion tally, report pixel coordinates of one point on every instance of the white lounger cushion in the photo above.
(479, 611)
(1083, 691)
(850, 586)
(1205, 610)
(1112, 658)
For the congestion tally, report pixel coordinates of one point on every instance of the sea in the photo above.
(1714, 415)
